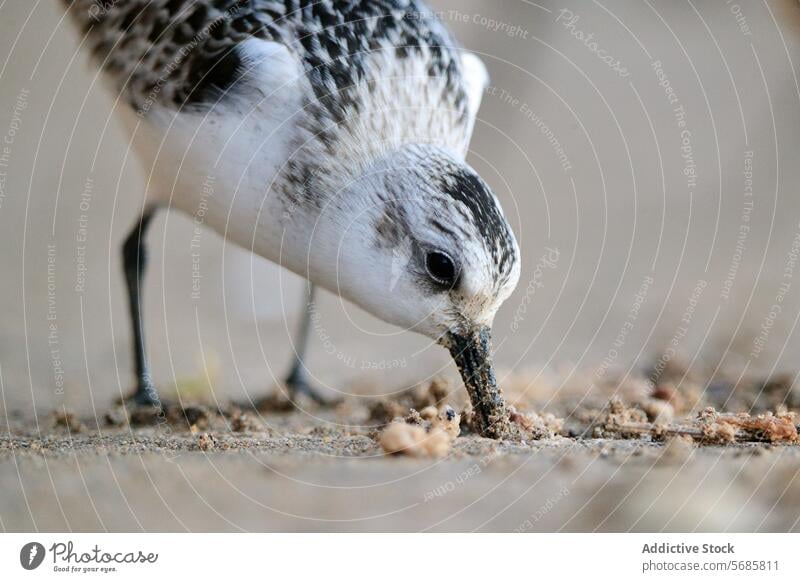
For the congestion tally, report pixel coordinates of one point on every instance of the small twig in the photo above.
(709, 432)
(670, 430)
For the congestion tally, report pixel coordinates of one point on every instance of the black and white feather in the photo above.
(333, 133)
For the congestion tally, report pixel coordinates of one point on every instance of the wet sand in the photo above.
(145, 482)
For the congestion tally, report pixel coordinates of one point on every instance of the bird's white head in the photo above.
(419, 240)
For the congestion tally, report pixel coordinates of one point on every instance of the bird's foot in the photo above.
(145, 395)
(298, 385)
(141, 408)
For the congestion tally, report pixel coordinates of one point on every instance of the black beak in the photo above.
(472, 354)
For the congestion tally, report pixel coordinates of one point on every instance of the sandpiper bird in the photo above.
(335, 132)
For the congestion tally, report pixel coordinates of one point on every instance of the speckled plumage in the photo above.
(184, 52)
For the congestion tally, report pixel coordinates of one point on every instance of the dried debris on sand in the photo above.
(433, 395)
(415, 441)
(522, 425)
(709, 427)
(430, 432)
(435, 419)
(767, 427)
(537, 426)
(192, 418)
(69, 421)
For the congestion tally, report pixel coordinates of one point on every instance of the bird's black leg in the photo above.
(134, 257)
(298, 381)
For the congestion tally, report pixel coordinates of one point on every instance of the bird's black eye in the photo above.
(441, 268)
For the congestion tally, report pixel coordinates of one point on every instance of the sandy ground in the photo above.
(198, 468)
(127, 483)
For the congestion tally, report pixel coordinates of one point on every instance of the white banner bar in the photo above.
(387, 557)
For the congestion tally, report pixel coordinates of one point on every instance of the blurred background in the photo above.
(646, 154)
